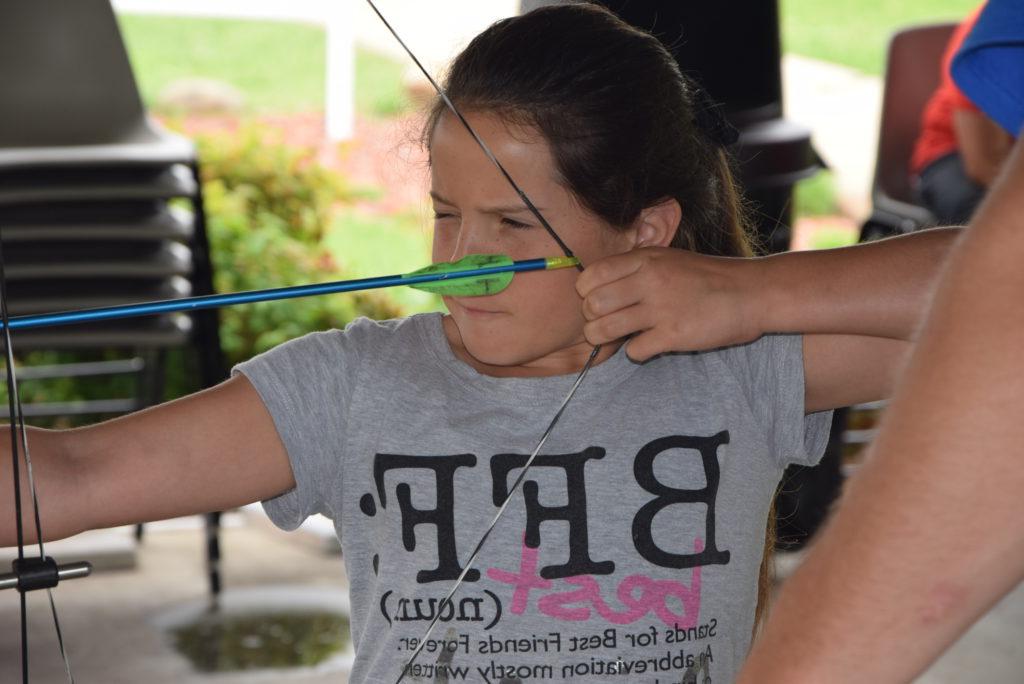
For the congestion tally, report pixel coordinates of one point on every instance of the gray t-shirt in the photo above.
(631, 553)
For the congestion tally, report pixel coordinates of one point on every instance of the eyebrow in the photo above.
(506, 209)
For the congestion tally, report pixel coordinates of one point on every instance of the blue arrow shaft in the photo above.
(217, 300)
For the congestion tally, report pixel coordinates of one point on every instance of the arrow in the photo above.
(472, 276)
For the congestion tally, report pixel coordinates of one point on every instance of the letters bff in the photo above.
(583, 558)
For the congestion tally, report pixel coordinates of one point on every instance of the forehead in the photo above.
(522, 150)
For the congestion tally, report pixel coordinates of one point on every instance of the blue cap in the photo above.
(989, 68)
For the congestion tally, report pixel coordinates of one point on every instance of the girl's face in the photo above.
(534, 327)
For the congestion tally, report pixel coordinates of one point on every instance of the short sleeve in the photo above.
(306, 384)
(771, 370)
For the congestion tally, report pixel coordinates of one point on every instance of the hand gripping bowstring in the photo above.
(39, 572)
(572, 390)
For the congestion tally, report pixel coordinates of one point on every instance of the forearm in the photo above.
(210, 451)
(56, 485)
(878, 289)
(926, 537)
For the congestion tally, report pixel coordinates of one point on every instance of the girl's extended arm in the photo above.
(210, 451)
(928, 534)
(859, 306)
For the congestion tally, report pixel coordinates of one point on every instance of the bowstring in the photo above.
(479, 141)
(576, 384)
(494, 521)
(19, 445)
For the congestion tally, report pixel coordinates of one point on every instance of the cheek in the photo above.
(547, 307)
(543, 316)
(547, 290)
(607, 242)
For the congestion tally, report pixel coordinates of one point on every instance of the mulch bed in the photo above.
(384, 154)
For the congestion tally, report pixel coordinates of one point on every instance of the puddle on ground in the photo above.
(222, 643)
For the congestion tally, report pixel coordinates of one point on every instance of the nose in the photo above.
(468, 240)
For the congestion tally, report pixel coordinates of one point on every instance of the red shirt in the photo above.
(937, 136)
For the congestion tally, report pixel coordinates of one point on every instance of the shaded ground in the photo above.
(107, 619)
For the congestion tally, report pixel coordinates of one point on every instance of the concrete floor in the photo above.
(989, 653)
(110, 620)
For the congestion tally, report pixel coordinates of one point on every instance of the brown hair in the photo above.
(623, 125)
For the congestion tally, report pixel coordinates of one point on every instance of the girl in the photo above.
(634, 549)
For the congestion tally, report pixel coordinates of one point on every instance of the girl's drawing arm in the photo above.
(859, 307)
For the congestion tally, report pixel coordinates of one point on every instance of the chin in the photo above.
(494, 344)
(495, 350)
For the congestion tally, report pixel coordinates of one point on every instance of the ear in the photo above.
(657, 224)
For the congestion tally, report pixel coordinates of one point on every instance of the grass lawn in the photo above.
(278, 66)
(815, 196)
(856, 32)
(370, 244)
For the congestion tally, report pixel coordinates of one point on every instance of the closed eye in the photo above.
(512, 223)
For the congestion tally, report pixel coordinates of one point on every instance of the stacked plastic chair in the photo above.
(98, 205)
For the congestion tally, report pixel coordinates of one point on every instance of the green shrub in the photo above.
(268, 209)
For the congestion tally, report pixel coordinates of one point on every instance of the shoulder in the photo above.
(372, 333)
(360, 342)
(360, 336)
(763, 356)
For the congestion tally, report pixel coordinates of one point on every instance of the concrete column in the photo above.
(339, 99)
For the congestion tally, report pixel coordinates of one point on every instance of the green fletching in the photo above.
(469, 286)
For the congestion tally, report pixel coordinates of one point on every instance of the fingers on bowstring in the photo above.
(617, 325)
(647, 345)
(610, 298)
(606, 270)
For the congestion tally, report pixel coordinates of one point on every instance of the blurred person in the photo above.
(960, 149)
